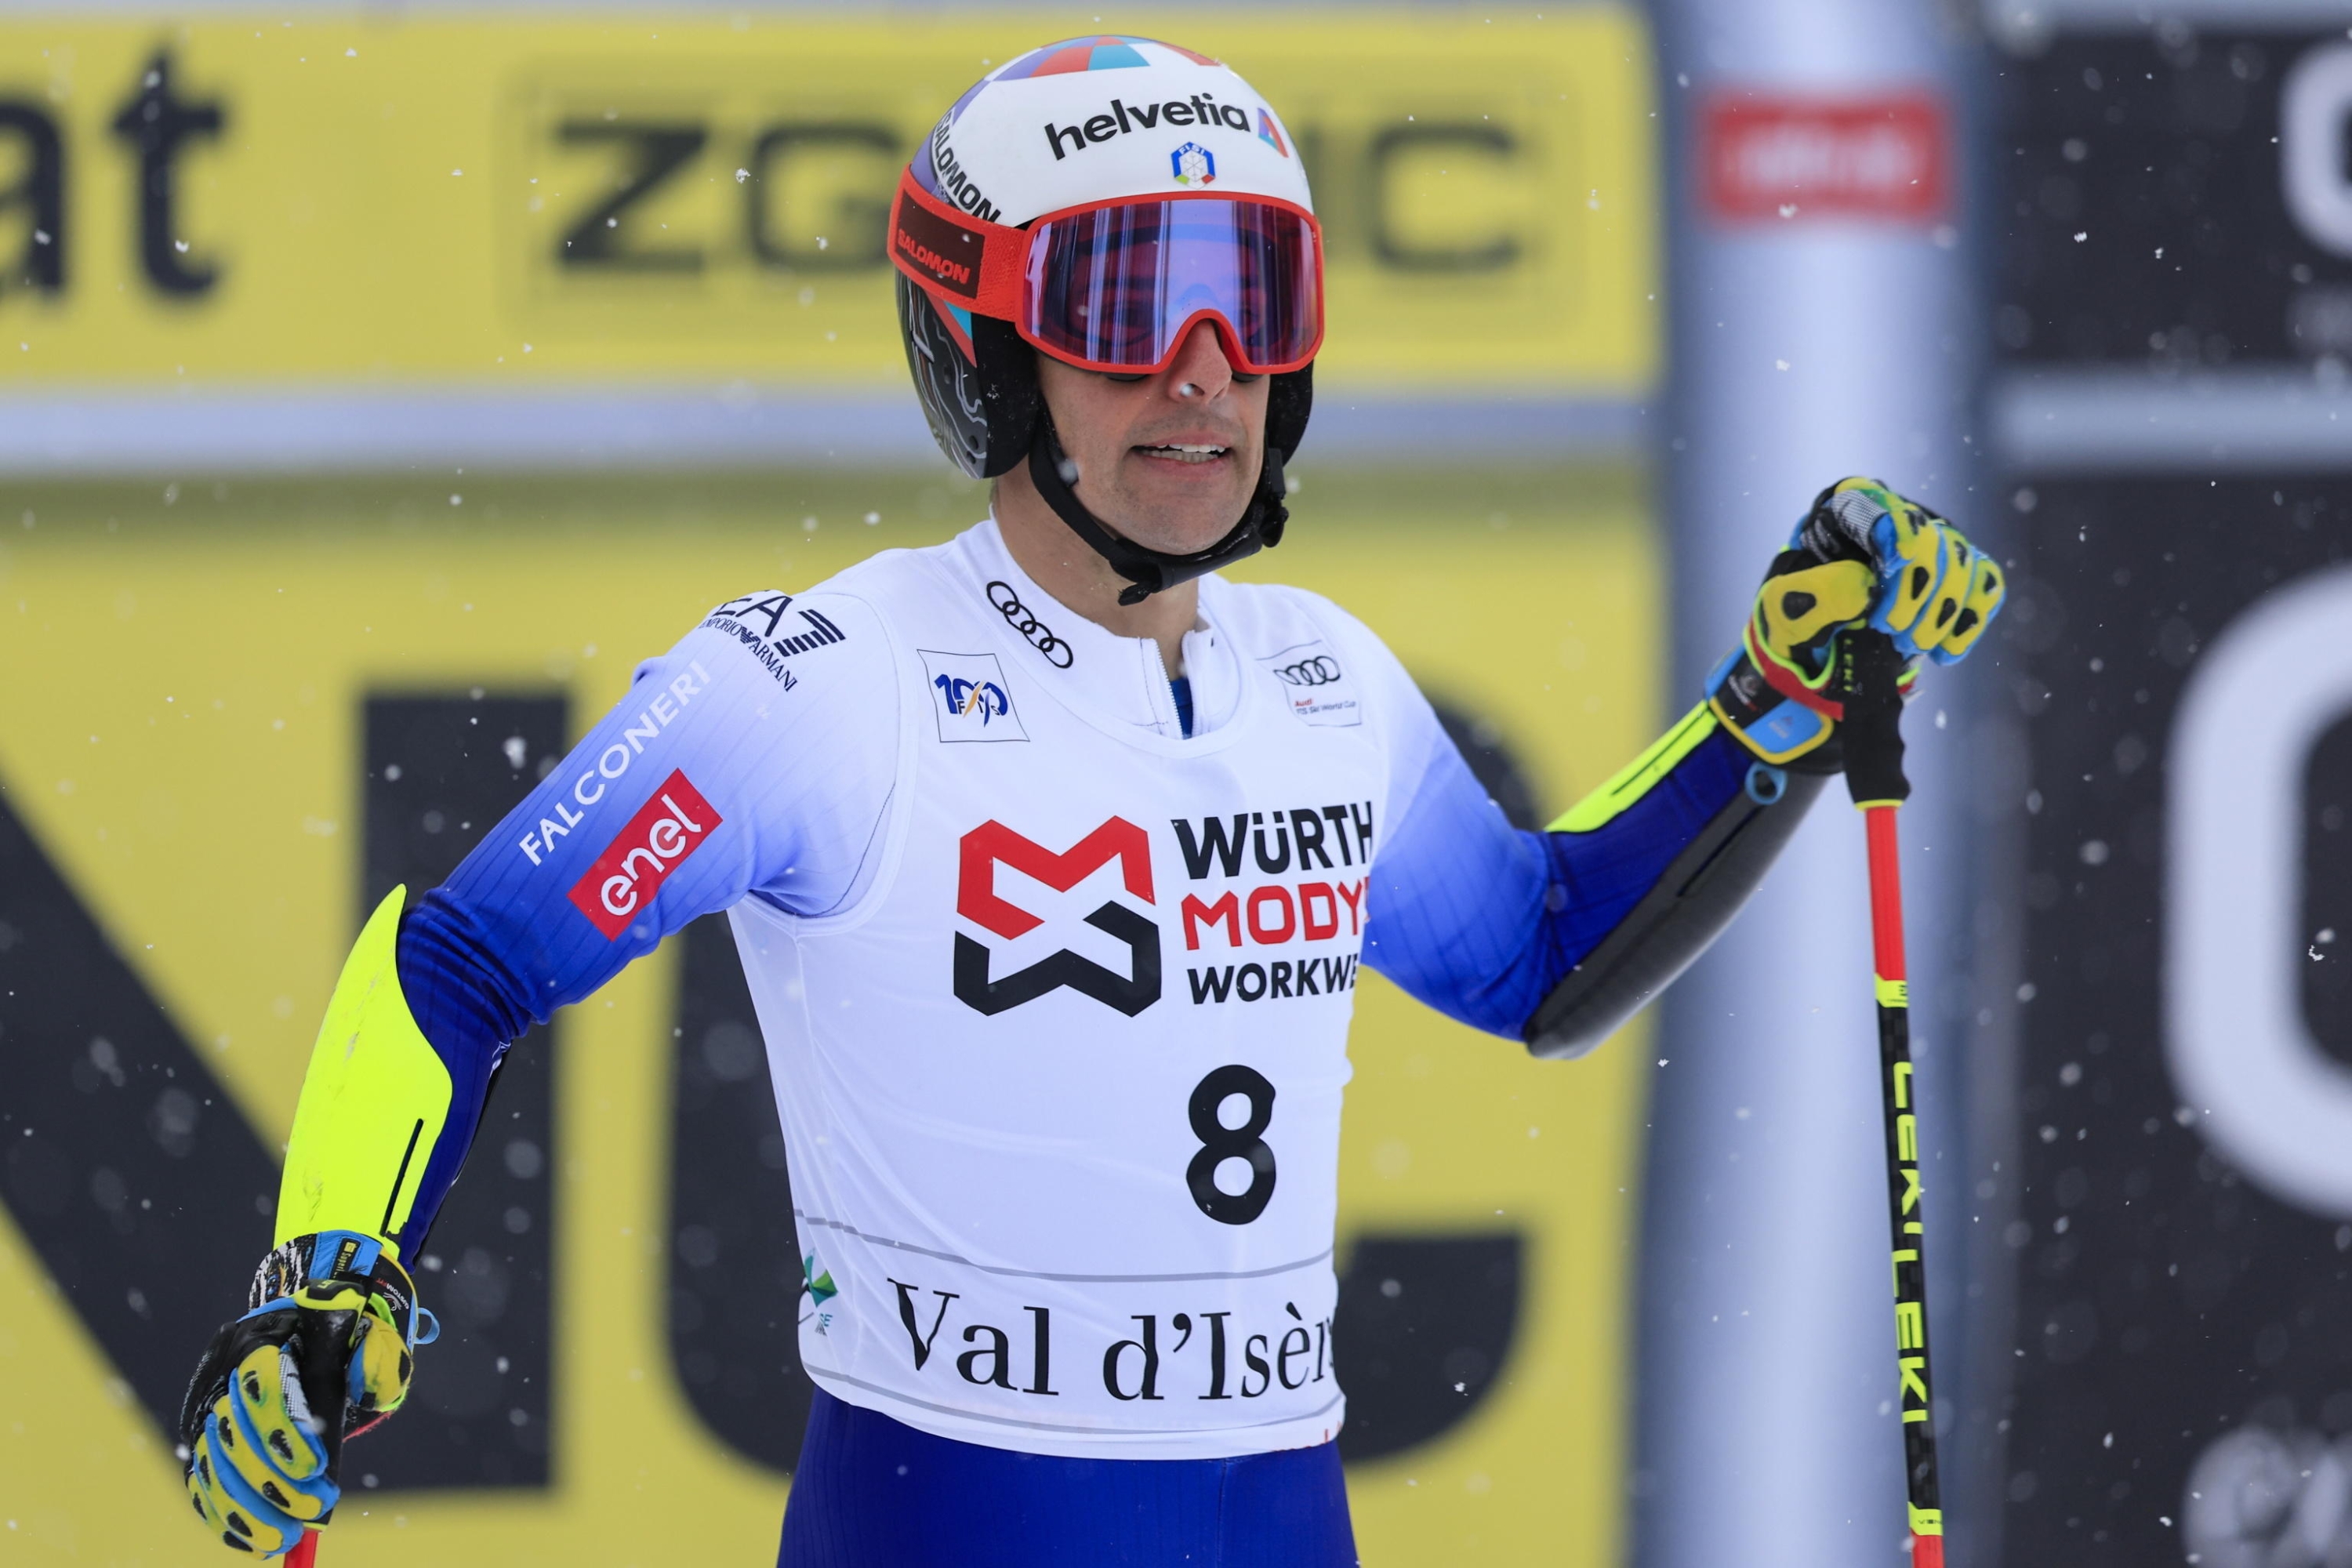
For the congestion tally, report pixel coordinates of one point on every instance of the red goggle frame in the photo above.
(1117, 286)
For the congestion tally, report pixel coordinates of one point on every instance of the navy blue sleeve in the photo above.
(1481, 921)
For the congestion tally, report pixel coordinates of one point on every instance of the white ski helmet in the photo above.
(1094, 200)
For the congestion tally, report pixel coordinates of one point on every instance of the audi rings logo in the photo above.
(1320, 689)
(1320, 670)
(1016, 615)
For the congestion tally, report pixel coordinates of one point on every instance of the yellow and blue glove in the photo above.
(325, 1354)
(1862, 557)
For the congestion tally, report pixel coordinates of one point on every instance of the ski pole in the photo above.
(305, 1552)
(1874, 776)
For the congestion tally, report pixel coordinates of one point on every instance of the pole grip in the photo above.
(1871, 730)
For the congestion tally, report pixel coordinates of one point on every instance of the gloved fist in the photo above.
(1864, 556)
(323, 1354)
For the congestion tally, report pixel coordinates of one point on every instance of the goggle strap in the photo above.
(966, 261)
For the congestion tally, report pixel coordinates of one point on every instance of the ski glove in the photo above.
(1863, 556)
(323, 1354)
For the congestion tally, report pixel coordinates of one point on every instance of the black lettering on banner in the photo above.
(1492, 763)
(1283, 1355)
(1338, 817)
(123, 1160)
(1424, 1327)
(1254, 1358)
(41, 193)
(2324, 991)
(2164, 1283)
(1272, 865)
(1382, 162)
(1307, 827)
(155, 124)
(659, 152)
(1215, 842)
(148, 1198)
(857, 226)
(1258, 982)
(1147, 1345)
(997, 1353)
(737, 1281)
(1041, 1352)
(1425, 1323)
(1216, 1322)
(918, 1341)
(1220, 1143)
(441, 771)
(1211, 984)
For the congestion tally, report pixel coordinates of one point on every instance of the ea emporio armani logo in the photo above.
(993, 843)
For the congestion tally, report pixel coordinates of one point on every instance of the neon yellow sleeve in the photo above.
(373, 1101)
(1636, 778)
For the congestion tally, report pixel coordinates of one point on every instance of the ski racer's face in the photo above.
(1168, 459)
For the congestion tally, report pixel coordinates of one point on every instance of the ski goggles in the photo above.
(1117, 286)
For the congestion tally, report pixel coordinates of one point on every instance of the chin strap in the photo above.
(1149, 571)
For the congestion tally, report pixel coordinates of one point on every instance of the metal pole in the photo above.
(1803, 348)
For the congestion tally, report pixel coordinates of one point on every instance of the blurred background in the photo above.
(379, 383)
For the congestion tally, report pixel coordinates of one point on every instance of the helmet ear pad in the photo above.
(980, 392)
(1288, 402)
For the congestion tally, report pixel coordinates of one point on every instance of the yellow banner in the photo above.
(217, 700)
(518, 199)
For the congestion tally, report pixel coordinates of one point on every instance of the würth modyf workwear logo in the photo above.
(991, 844)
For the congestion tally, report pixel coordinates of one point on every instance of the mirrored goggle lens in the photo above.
(1113, 286)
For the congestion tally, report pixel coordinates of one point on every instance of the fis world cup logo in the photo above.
(993, 843)
(1193, 164)
(649, 847)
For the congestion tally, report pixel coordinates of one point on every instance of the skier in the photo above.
(1050, 856)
